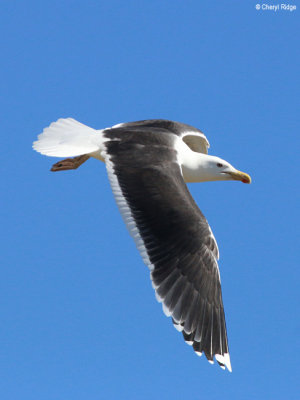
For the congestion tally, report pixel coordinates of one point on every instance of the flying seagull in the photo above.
(148, 163)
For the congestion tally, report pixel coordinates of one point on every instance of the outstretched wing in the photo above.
(171, 233)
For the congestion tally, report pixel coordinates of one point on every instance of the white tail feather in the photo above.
(68, 138)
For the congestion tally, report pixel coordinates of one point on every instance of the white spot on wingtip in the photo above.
(219, 358)
(166, 310)
(227, 362)
(178, 327)
(224, 359)
(189, 342)
(199, 353)
(210, 361)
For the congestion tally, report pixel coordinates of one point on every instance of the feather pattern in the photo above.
(171, 233)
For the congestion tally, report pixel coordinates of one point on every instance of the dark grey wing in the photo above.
(172, 235)
(192, 136)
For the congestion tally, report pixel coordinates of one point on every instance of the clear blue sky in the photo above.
(79, 319)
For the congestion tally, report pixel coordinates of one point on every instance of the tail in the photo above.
(68, 138)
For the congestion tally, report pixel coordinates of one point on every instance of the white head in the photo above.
(202, 168)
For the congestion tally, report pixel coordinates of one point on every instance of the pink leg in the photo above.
(69, 163)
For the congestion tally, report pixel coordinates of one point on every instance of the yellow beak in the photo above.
(240, 176)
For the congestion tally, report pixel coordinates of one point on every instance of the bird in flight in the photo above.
(148, 164)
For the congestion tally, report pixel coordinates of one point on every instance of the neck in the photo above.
(194, 168)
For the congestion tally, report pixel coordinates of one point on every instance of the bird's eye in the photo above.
(219, 165)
